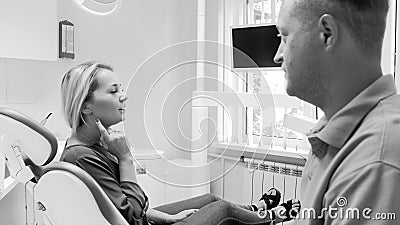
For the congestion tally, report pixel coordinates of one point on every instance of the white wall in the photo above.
(388, 48)
(29, 29)
(397, 69)
(125, 40)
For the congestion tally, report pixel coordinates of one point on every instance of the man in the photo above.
(331, 54)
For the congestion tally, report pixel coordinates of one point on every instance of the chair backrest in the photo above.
(66, 193)
(69, 195)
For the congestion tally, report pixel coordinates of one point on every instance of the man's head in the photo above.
(365, 19)
(320, 39)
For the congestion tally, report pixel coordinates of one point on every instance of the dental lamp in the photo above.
(99, 7)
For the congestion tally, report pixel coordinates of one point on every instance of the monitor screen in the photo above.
(255, 46)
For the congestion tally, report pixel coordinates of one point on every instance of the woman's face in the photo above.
(107, 102)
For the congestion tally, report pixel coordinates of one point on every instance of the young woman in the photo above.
(93, 100)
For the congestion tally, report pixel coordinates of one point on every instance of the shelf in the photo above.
(275, 154)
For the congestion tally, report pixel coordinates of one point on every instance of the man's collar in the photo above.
(338, 129)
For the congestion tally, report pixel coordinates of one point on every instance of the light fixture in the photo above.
(99, 7)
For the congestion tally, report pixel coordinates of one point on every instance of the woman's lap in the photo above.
(222, 212)
(191, 203)
(212, 210)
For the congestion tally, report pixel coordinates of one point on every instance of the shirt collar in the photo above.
(338, 129)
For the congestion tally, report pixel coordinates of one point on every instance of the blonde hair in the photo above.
(77, 87)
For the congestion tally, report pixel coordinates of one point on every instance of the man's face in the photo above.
(299, 54)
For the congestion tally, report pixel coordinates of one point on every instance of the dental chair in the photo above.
(64, 193)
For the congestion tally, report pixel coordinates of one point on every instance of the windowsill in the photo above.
(275, 154)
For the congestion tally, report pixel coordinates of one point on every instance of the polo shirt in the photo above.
(352, 175)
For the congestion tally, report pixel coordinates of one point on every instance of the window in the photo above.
(273, 81)
(263, 11)
(248, 125)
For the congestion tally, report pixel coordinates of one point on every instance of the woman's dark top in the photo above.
(128, 197)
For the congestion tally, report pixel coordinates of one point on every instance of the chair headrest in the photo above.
(36, 141)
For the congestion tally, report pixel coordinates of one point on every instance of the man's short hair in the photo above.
(366, 19)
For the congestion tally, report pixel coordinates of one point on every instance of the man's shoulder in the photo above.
(378, 134)
(391, 103)
(385, 116)
(391, 130)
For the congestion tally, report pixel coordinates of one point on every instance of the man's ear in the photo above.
(329, 31)
(86, 108)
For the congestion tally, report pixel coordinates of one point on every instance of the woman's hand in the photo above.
(114, 142)
(181, 215)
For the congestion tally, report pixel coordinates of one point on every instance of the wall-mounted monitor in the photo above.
(254, 46)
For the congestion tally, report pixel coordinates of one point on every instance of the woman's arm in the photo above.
(116, 144)
(126, 195)
(127, 170)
